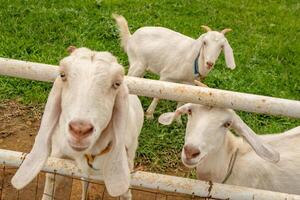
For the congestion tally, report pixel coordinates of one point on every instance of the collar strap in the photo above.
(231, 164)
(196, 66)
(90, 157)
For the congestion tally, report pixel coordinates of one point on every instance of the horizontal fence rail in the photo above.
(154, 181)
(171, 91)
(167, 90)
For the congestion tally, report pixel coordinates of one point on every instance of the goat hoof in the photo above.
(45, 197)
(149, 116)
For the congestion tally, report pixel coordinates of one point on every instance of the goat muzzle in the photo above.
(191, 152)
(80, 129)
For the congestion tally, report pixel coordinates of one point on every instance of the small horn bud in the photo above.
(206, 28)
(71, 48)
(226, 30)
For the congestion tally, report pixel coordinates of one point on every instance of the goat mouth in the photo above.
(190, 163)
(193, 163)
(77, 147)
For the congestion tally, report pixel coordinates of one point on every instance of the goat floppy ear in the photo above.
(37, 157)
(169, 117)
(116, 169)
(263, 150)
(228, 52)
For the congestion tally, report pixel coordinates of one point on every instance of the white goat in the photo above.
(90, 118)
(175, 57)
(222, 157)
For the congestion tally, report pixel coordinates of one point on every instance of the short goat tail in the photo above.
(124, 30)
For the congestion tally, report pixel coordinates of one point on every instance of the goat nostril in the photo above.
(194, 155)
(90, 129)
(186, 150)
(209, 64)
(72, 127)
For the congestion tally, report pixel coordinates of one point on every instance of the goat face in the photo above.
(90, 83)
(86, 102)
(205, 132)
(212, 43)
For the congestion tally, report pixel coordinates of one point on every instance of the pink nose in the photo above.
(191, 151)
(80, 128)
(209, 64)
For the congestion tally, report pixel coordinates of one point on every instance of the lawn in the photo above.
(265, 40)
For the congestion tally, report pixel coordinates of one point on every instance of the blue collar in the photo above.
(196, 66)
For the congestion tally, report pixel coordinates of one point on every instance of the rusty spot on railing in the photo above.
(210, 186)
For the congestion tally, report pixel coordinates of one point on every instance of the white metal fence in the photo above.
(164, 90)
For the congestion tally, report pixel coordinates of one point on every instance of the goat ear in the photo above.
(169, 117)
(263, 150)
(228, 55)
(37, 157)
(116, 169)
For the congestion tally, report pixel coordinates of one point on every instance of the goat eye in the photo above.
(204, 43)
(190, 111)
(227, 124)
(222, 46)
(63, 76)
(117, 84)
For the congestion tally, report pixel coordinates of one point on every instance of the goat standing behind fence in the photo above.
(90, 118)
(221, 157)
(175, 57)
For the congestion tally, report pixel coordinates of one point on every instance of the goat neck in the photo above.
(216, 165)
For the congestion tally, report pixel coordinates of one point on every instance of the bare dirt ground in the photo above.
(18, 127)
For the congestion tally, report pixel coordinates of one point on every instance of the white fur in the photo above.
(171, 54)
(206, 131)
(88, 92)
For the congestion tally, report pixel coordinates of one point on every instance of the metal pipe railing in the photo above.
(156, 182)
(167, 90)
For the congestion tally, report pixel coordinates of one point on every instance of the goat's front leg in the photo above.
(85, 186)
(136, 69)
(83, 166)
(126, 196)
(52, 180)
(151, 109)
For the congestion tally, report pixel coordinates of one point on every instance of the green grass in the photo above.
(265, 41)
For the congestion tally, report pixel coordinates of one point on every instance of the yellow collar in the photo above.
(90, 157)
